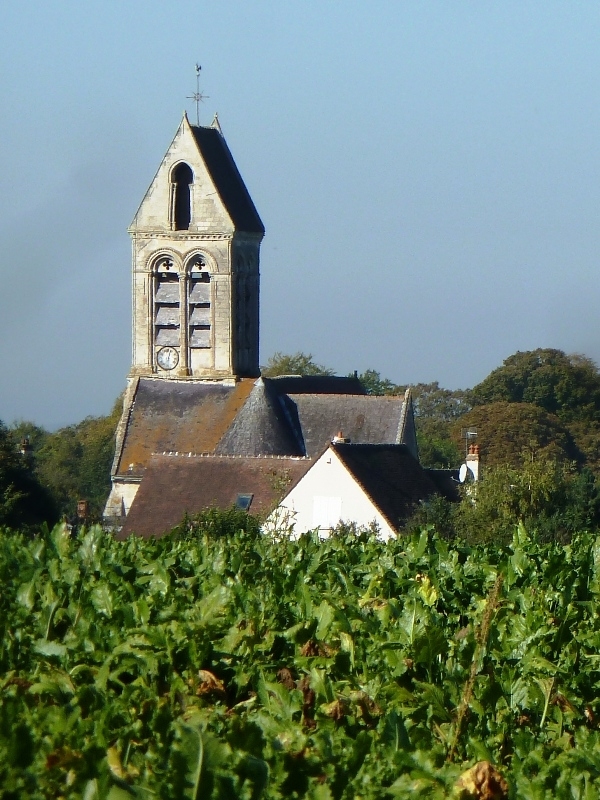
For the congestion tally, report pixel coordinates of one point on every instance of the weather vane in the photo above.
(197, 97)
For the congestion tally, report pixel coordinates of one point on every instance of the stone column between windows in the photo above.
(171, 205)
(184, 330)
(150, 312)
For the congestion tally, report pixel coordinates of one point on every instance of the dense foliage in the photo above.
(293, 364)
(552, 498)
(23, 499)
(436, 412)
(565, 386)
(513, 433)
(202, 666)
(74, 463)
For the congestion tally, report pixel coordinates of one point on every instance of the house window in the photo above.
(243, 501)
(166, 305)
(182, 179)
(199, 311)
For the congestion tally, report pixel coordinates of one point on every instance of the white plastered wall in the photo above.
(326, 495)
(122, 495)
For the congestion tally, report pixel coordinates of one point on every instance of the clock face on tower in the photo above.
(167, 358)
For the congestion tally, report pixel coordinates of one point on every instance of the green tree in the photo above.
(586, 436)
(23, 500)
(431, 401)
(74, 462)
(376, 385)
(436, 446)
(508, 433)
(550, 497)
(565, 385)
(293, 364)
(435, 411)
(34, 434)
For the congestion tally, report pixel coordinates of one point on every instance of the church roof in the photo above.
(363, 419)
(176, 485)
(390, 475)
(286, 416)
(315, 384)
(269, 423)
(178, 416)
(262, 427)
(227, 179)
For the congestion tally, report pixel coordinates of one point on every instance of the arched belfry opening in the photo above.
(182, 179)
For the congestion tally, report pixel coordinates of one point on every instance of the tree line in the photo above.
(540, 407)
(43, 474)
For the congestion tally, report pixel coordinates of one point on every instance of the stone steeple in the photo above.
(196, 241)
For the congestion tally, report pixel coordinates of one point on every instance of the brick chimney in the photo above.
(473, 461)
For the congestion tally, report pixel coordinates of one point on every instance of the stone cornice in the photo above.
(177, 236)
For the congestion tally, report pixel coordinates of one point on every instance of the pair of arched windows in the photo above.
(182, 179)
(167, 305)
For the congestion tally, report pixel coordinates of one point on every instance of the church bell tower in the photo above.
(196, 241)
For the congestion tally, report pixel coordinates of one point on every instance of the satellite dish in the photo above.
(462, 473)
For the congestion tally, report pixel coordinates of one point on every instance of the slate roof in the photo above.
(446, 481)
(227, 179)
(363, 419)
(287, 416)
(280, 419)
(174, 485)
(390, 475)
(262, 427)
(315, 384)
(178, 416)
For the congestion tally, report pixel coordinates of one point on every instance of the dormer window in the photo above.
(243, 501)
(182, 179)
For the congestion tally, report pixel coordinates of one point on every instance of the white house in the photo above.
(356, 483)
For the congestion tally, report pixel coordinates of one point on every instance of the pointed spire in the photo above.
(216, 124)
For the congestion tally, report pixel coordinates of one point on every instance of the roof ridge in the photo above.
(232, 457)
(370, 444)
(342, 394)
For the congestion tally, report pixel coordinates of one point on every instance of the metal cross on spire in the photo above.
(197, 97)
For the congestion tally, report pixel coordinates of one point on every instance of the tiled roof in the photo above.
(315, 384)
(178, 416)
(252, 418)
(446, 481)
(174, 485)
(390, 475)
(361, 418)
(285, 416)
(262, 427)
(227, 179)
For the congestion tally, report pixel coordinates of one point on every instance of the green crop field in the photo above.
(205, 666)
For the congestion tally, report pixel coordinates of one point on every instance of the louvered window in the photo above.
(199, 311)
(166, 309)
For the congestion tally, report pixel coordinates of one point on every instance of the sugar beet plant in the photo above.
(199, 666)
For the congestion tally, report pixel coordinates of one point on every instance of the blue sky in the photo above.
(428, 174)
